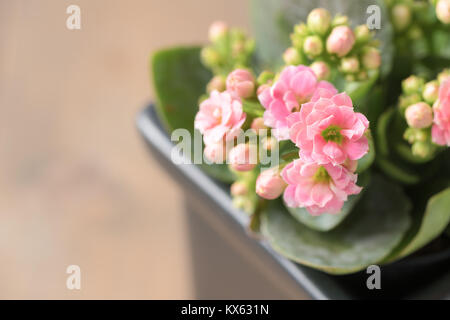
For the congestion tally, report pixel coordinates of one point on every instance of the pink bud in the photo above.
(241, 83)
(216, 83)
(321, 70)
(243, 157)
(443, 11)
(269, 184)
(216, 152)
(371, 58)
(291, 56)
(419, 115)
(217, 30)
(258, 124)
(340, 41)
(238, 189)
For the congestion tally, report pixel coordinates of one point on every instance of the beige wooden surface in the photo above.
(76, 183)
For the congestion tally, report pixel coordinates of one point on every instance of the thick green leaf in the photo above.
(273, 21)
(327, 221)
(179, 79)
(374, 228)
(432, 224)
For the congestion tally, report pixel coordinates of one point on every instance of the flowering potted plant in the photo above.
(332, 133)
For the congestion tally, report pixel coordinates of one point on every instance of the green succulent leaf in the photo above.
(428, 226)
(179, 79)
(373, 229)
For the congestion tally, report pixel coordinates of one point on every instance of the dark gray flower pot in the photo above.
(229, 263)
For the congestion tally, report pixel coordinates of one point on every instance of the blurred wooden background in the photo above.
(76, 183)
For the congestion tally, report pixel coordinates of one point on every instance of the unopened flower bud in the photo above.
(210, 57)
(401, 16)
(265, 77)
(239, 189)
(422, 149)
(216, 83)
(216, 152)
(258, 124)
(371, 58)
(419, 115)
(241, 83)
(362, 75)
(443, 11)
(269, 184)
(350, 65)
(301, 29)
(243, 157)
(340, 41)
(406, 101)
(362, 34)
(431, 91)
(217, 30)
(313, 46)
(443, 76)
(415, 32)
(412, 84)
(319, 21)
(321, 69)
(339, 20)
(291, 56)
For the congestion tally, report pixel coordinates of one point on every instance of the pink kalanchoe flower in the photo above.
(241, 83)
(328, 130)
(295, 86)
(440, 132)
(269, 184)
(243, 157)
(216, 152)
(220, 117)
(318, 188)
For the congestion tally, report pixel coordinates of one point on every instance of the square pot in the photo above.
(230, 263)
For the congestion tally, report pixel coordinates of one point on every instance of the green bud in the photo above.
(401, 16)
(301, 29)
(431, 91)
(313, 46)
(422, 149)
(415, 32)
(410, 135)
(407, 100)
(210, 56)
(339, 20)
(349, 65)
(362, 34)
(319, 21)
(265, 77)
(412, 84)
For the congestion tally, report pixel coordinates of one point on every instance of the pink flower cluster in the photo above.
(440, 130)
(295, 86)
(327, 130)
(220, 117)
